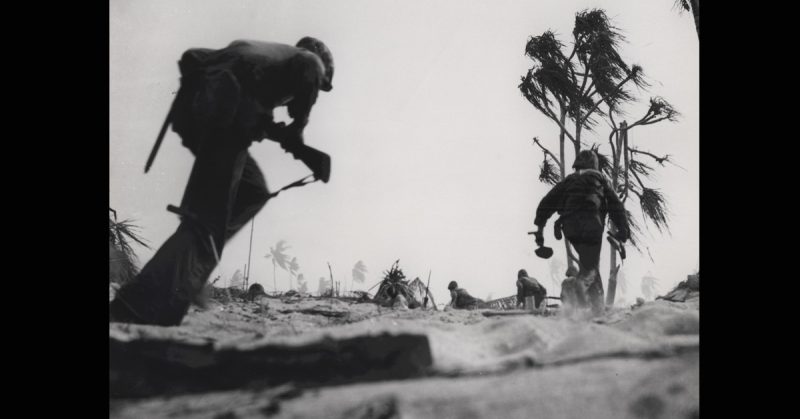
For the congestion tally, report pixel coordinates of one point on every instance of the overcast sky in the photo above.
(430, 138)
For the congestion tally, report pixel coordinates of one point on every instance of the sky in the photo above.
(429, 136)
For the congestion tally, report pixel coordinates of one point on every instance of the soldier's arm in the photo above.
(307, 74)
(550, 204)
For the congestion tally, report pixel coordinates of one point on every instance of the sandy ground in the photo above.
(630, 363)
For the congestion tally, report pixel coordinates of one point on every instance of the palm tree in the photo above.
(571, 86)
(122, 258)
(294, 267)
(359, 273)
(279, 258)
(691, 6)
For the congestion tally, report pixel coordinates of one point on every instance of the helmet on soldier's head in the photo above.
(521, 273)
(321, 50)
(586, 159)
(452, 285)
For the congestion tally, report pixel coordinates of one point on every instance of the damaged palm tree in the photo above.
(122, 258)
(628, 168)
(279, 258)
(569, 86)
(588, 85)
(393, 284)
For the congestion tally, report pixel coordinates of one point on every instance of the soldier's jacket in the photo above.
(462, 299)
(238, 86)
(529, 287)
(583, 200)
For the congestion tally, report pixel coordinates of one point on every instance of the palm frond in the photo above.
(549, 172)
(640, 167)
(122, 257)
(597, 42)
(294, 266)
(654, 208)
(279, 257)
(603, 161)
(660, 108)
(682, 5)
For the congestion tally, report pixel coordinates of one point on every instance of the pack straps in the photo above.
(295, 184)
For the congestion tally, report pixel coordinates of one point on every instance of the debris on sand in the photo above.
(686, 290)
(393, 286)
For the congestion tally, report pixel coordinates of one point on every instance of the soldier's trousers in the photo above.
(226, 189)
(589, 284)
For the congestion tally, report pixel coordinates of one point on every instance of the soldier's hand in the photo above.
(275, 131)
(539, 238)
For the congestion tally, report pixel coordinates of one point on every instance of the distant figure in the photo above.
(225, 102)
(460, 298)
(583, 199)
(529, 287)
(255, 291)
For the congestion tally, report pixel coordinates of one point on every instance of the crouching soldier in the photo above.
(460, 298)
(583, 199)
(529, 287)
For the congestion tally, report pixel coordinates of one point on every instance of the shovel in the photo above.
(543, 252)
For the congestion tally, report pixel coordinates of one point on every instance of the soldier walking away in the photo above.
(225, 102)
(583, 199)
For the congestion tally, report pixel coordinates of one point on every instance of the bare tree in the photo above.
(628, 169)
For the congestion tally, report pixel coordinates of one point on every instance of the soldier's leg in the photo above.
(164, 289)
(251, 197)
(539, 297)
(594, 283)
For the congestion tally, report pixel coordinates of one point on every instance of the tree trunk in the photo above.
(612, 278)
(274, 277)
(562, 156)
(622, 150)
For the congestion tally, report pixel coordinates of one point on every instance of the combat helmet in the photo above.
(321, 50)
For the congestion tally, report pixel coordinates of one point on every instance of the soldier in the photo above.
(225, 102)
(583, 199)
(460, 298)
(529, 287)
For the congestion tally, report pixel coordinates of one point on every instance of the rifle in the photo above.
(427, 291)
(160, 138)
(318, 161)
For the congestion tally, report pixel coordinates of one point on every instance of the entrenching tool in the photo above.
(427, 291)
(543, 252)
